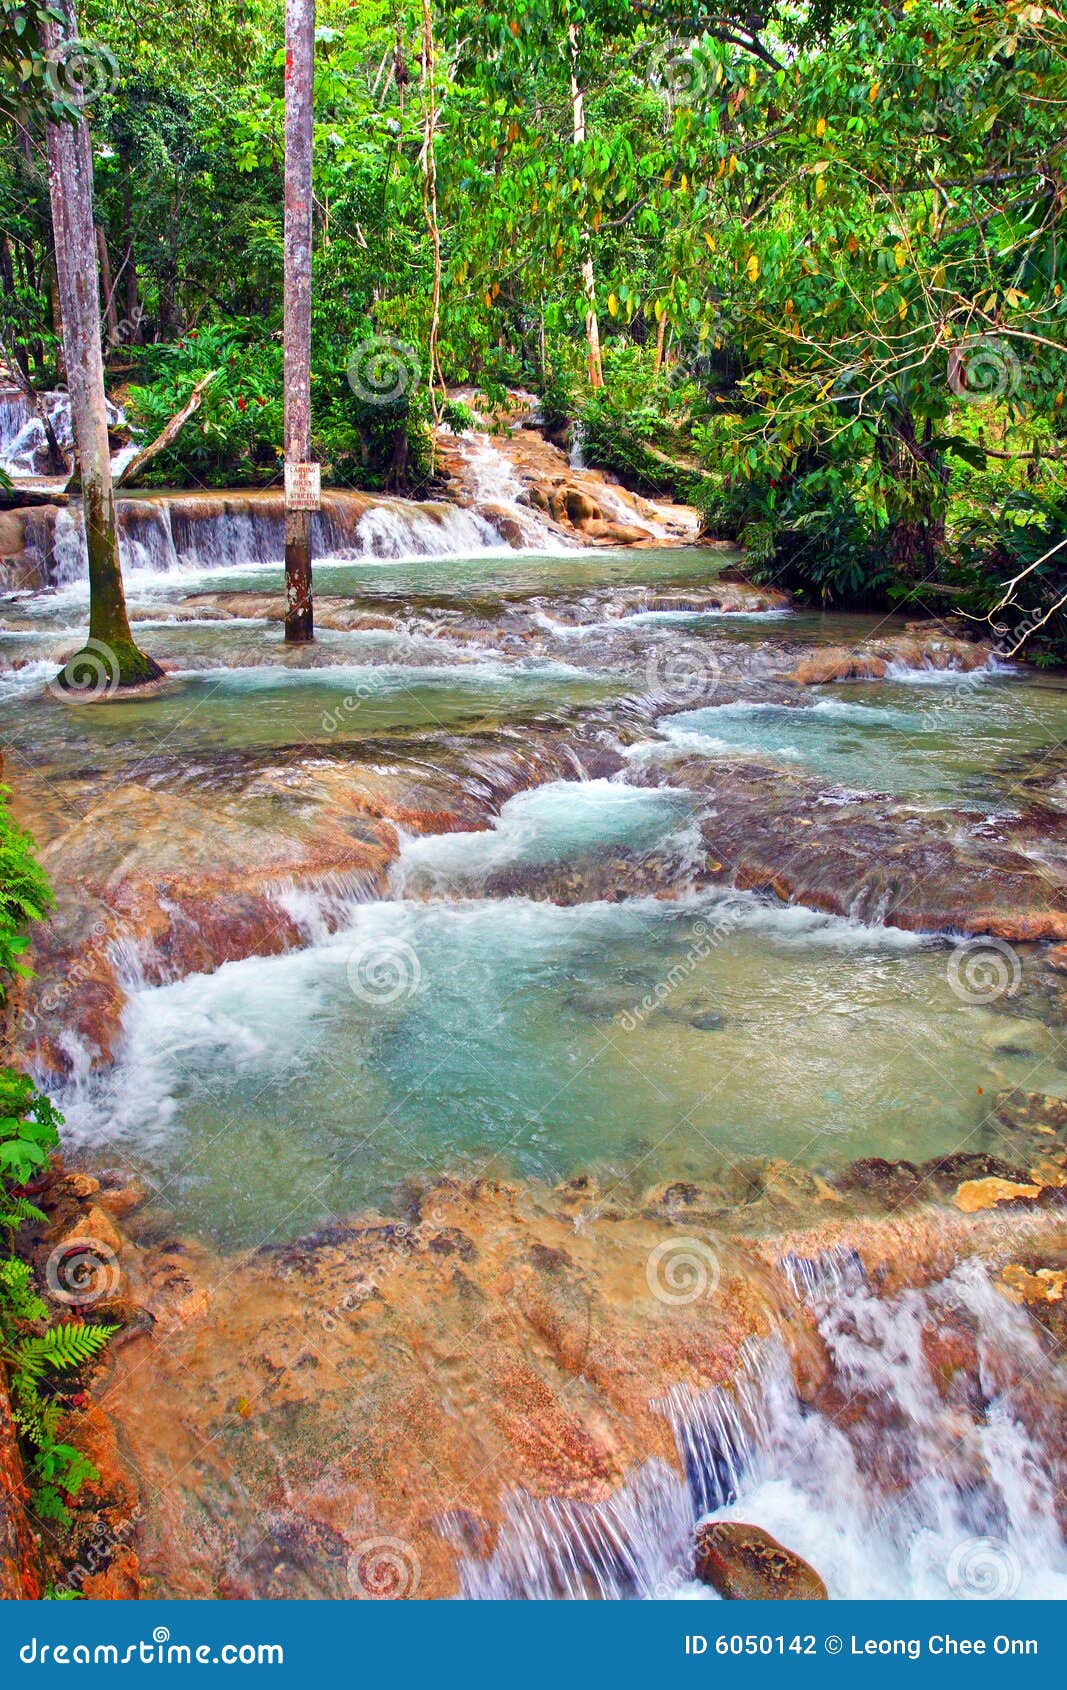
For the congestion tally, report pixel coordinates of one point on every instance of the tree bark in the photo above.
(129, 262)
(107, 288)
(70, 177)
(592, 326)
(299, 118)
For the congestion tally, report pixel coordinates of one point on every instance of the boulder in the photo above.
(746, 1564)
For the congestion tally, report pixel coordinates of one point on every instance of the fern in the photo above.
(18, 1301)
(61, 1349)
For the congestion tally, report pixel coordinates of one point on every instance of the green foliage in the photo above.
(24, 893)
(33, 1352)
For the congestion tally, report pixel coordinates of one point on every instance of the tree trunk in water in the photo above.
(111, 658)
(107, 289)
(592, 326)
(299, 117)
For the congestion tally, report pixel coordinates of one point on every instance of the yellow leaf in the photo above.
(902, 309)
(820, 128)
(789, 307)
(820, 186)
(613, 305)
(661, 310)
(722, 167)
(900, 255)
(733, 163)
(752, 76)
(684, 183)
(710, 240)
(752, 268)
(873, 95)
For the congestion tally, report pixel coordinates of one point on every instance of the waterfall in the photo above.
(23, 443)
(210, 532)
(929, 1467)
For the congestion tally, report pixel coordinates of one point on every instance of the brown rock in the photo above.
(744, 1563)
(975, 1194)
(96, 1227)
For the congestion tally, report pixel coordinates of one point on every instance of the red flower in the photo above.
(241, 404)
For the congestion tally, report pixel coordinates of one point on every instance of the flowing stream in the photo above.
(466, 1023)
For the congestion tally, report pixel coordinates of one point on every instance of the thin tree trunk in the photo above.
(429, 201)
(129, 262)
(661, 340)
(592, 326)
(107, 288)
(299, 118)
(56, 308)
(70, 175)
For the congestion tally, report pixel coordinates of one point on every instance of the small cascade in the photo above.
(917, 1475)
(630, 1546)
(23, 442)
(576, 454)
(497, 494)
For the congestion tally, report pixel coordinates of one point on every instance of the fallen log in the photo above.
(169, 433)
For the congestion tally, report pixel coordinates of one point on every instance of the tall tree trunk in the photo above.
(429, 205)
(107, 288)
(592, 326)
(129, 262)
(299, 119)
(111, 653)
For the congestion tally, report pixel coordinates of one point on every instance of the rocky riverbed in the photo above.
(533, 1060)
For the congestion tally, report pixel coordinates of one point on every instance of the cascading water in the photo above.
(23, 441)
(911, 1481)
